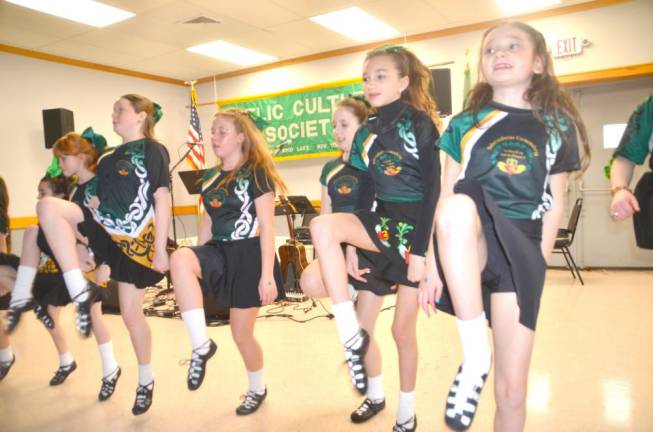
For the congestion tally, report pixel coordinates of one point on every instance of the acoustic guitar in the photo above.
(292, 254)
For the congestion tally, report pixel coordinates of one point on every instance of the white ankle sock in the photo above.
(109, 363)
(195, 322)
(256, 383)
(406, 408)
(66, 359)
(145, 375)
(75, 283)
(6, 354)
(346, 320)
(23, 285)
(375, 388)
(476, 344)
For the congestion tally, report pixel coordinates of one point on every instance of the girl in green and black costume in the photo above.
(130, 199)
(78, 156)
(234, 260)
(343, 186)
(508, 158)
(397, 149)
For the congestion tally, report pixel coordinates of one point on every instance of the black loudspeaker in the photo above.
(441, 90)
(56, 123)
(212, 309)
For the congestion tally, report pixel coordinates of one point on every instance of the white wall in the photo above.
(619, 34)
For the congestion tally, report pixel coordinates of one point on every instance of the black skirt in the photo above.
(231, 271)
(12, 261)
(123, 268)
(391, 228)
(514, 257)
(376, 283)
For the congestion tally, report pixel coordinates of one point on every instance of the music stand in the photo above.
(302, 204)
(192, 180)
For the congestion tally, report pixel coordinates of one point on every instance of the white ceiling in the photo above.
(155, 40)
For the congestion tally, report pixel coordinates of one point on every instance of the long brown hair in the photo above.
(73, 144)
(255, 151)
(4, 210)
(140, 104)
(544, 94)
(418, 92)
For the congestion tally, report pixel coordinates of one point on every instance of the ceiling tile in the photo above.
(275, 44)
(257, 13)
(86, 52)
(410, 16)
(309, 8)
(124, 43)
(21, 38)
(312, 35)
(182, 65)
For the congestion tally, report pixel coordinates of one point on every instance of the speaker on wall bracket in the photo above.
(441, 89)
(57, 122)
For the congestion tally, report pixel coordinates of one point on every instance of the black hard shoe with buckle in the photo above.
(409, 426)
(367, 410)
(355, 350)
(43, 316)
(251, 403)
(5, 366)
(15, 311)
(198, 362)
(143, 400)
(461, 408)
(62, 373)
(109, 385)
(83, 318)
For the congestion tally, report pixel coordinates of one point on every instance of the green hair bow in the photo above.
(158, 112)
(98, 141)
(54, 170)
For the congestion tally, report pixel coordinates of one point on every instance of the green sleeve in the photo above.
(637, 140)
(326, 169)
(449, 141)
(356, 158)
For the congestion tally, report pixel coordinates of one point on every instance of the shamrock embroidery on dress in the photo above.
(403, 248)
(383, 231)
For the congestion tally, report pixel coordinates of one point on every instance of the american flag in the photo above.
(196, 156)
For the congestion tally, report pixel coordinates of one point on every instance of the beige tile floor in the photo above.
(592, 370)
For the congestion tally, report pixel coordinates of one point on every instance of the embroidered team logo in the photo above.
(345, 185)
(388, 162)
(217, 197)
(512, 155)
(124, 168)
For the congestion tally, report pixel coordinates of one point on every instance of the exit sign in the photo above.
(569, 46)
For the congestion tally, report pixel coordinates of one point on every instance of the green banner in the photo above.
(297, 124)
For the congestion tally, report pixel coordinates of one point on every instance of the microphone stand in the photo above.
(172, 196)
(172, 203)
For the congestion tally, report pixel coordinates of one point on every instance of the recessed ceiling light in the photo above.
(82, 11)
(356, 24)
(232, 53)
(517, 6)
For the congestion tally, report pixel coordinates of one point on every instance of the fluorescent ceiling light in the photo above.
(356, 24)
(232, 53)
(517, 6)
(83, 11)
